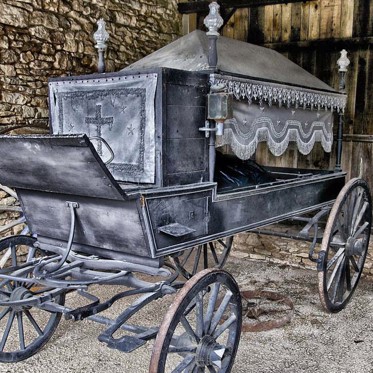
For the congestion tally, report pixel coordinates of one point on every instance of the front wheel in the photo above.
(201, 330)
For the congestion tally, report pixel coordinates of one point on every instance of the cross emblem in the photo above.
(99, 121)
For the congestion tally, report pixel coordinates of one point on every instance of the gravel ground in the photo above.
(313, 342)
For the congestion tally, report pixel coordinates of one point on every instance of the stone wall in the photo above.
(284, 251)
(44, 38)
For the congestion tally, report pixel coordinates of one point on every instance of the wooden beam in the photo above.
(328, 44)
(202, 6)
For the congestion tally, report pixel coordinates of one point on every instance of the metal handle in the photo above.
(52, 267)
(107, 146)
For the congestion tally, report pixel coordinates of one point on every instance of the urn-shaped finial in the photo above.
(101, 36)
(213, 21)
(343, 61)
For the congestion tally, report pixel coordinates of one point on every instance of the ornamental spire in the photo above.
(101, 37)
(343, 61)
(213, 21)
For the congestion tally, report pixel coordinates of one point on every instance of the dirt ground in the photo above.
(314, 341)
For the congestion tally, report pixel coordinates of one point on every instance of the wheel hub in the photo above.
(19, 293)
(209, 353)
(354, 247)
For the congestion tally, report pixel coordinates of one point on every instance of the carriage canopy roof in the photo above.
(235, 57)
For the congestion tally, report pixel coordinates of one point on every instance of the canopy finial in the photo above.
(213, 21)
(343, 61)
(101, 37)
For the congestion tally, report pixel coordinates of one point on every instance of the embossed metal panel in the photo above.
(119, 110)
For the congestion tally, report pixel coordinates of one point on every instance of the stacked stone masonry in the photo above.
(283, 251)
(45, 38)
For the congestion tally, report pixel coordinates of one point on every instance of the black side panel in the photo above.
(234, 212)
(107, 224)
(185, 148)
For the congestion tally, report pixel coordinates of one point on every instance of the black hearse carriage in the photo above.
(129, 182)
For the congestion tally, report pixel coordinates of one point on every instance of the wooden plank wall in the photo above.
(312, 34)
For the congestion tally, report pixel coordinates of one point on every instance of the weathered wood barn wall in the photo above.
(312, 33)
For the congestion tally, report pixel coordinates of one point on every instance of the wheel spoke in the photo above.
(7, 331)
(223, 327)
(4, 294)
(220, 311)
(187, 361)
(348, 275)
(182, 349)
(338, 285)
(33, 322)
(31, 254)
(360, 230)
(340, 229)
(21, 332)
(213, 252)
(354, 264)
(356, 208)
(7, 284)
(211, 305)
(187, 256)
(345, 219)
(188, 328)
(359, 217)
(205, 256)
(335, 257)
(13, 251)
(199, 314)
(336, 268)
(4, 313)
(349, 207)
(196, 260)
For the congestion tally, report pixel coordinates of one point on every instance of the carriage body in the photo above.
(150, 115)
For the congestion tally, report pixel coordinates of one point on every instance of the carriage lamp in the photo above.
(219, 109)
(101, 37)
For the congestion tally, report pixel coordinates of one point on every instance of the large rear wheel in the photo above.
(345, 245)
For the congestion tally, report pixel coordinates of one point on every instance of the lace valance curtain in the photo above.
(277, 126)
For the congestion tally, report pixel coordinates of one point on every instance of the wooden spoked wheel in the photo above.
(24, 328)
(210, 255)
(345, 244)
(201, 330)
